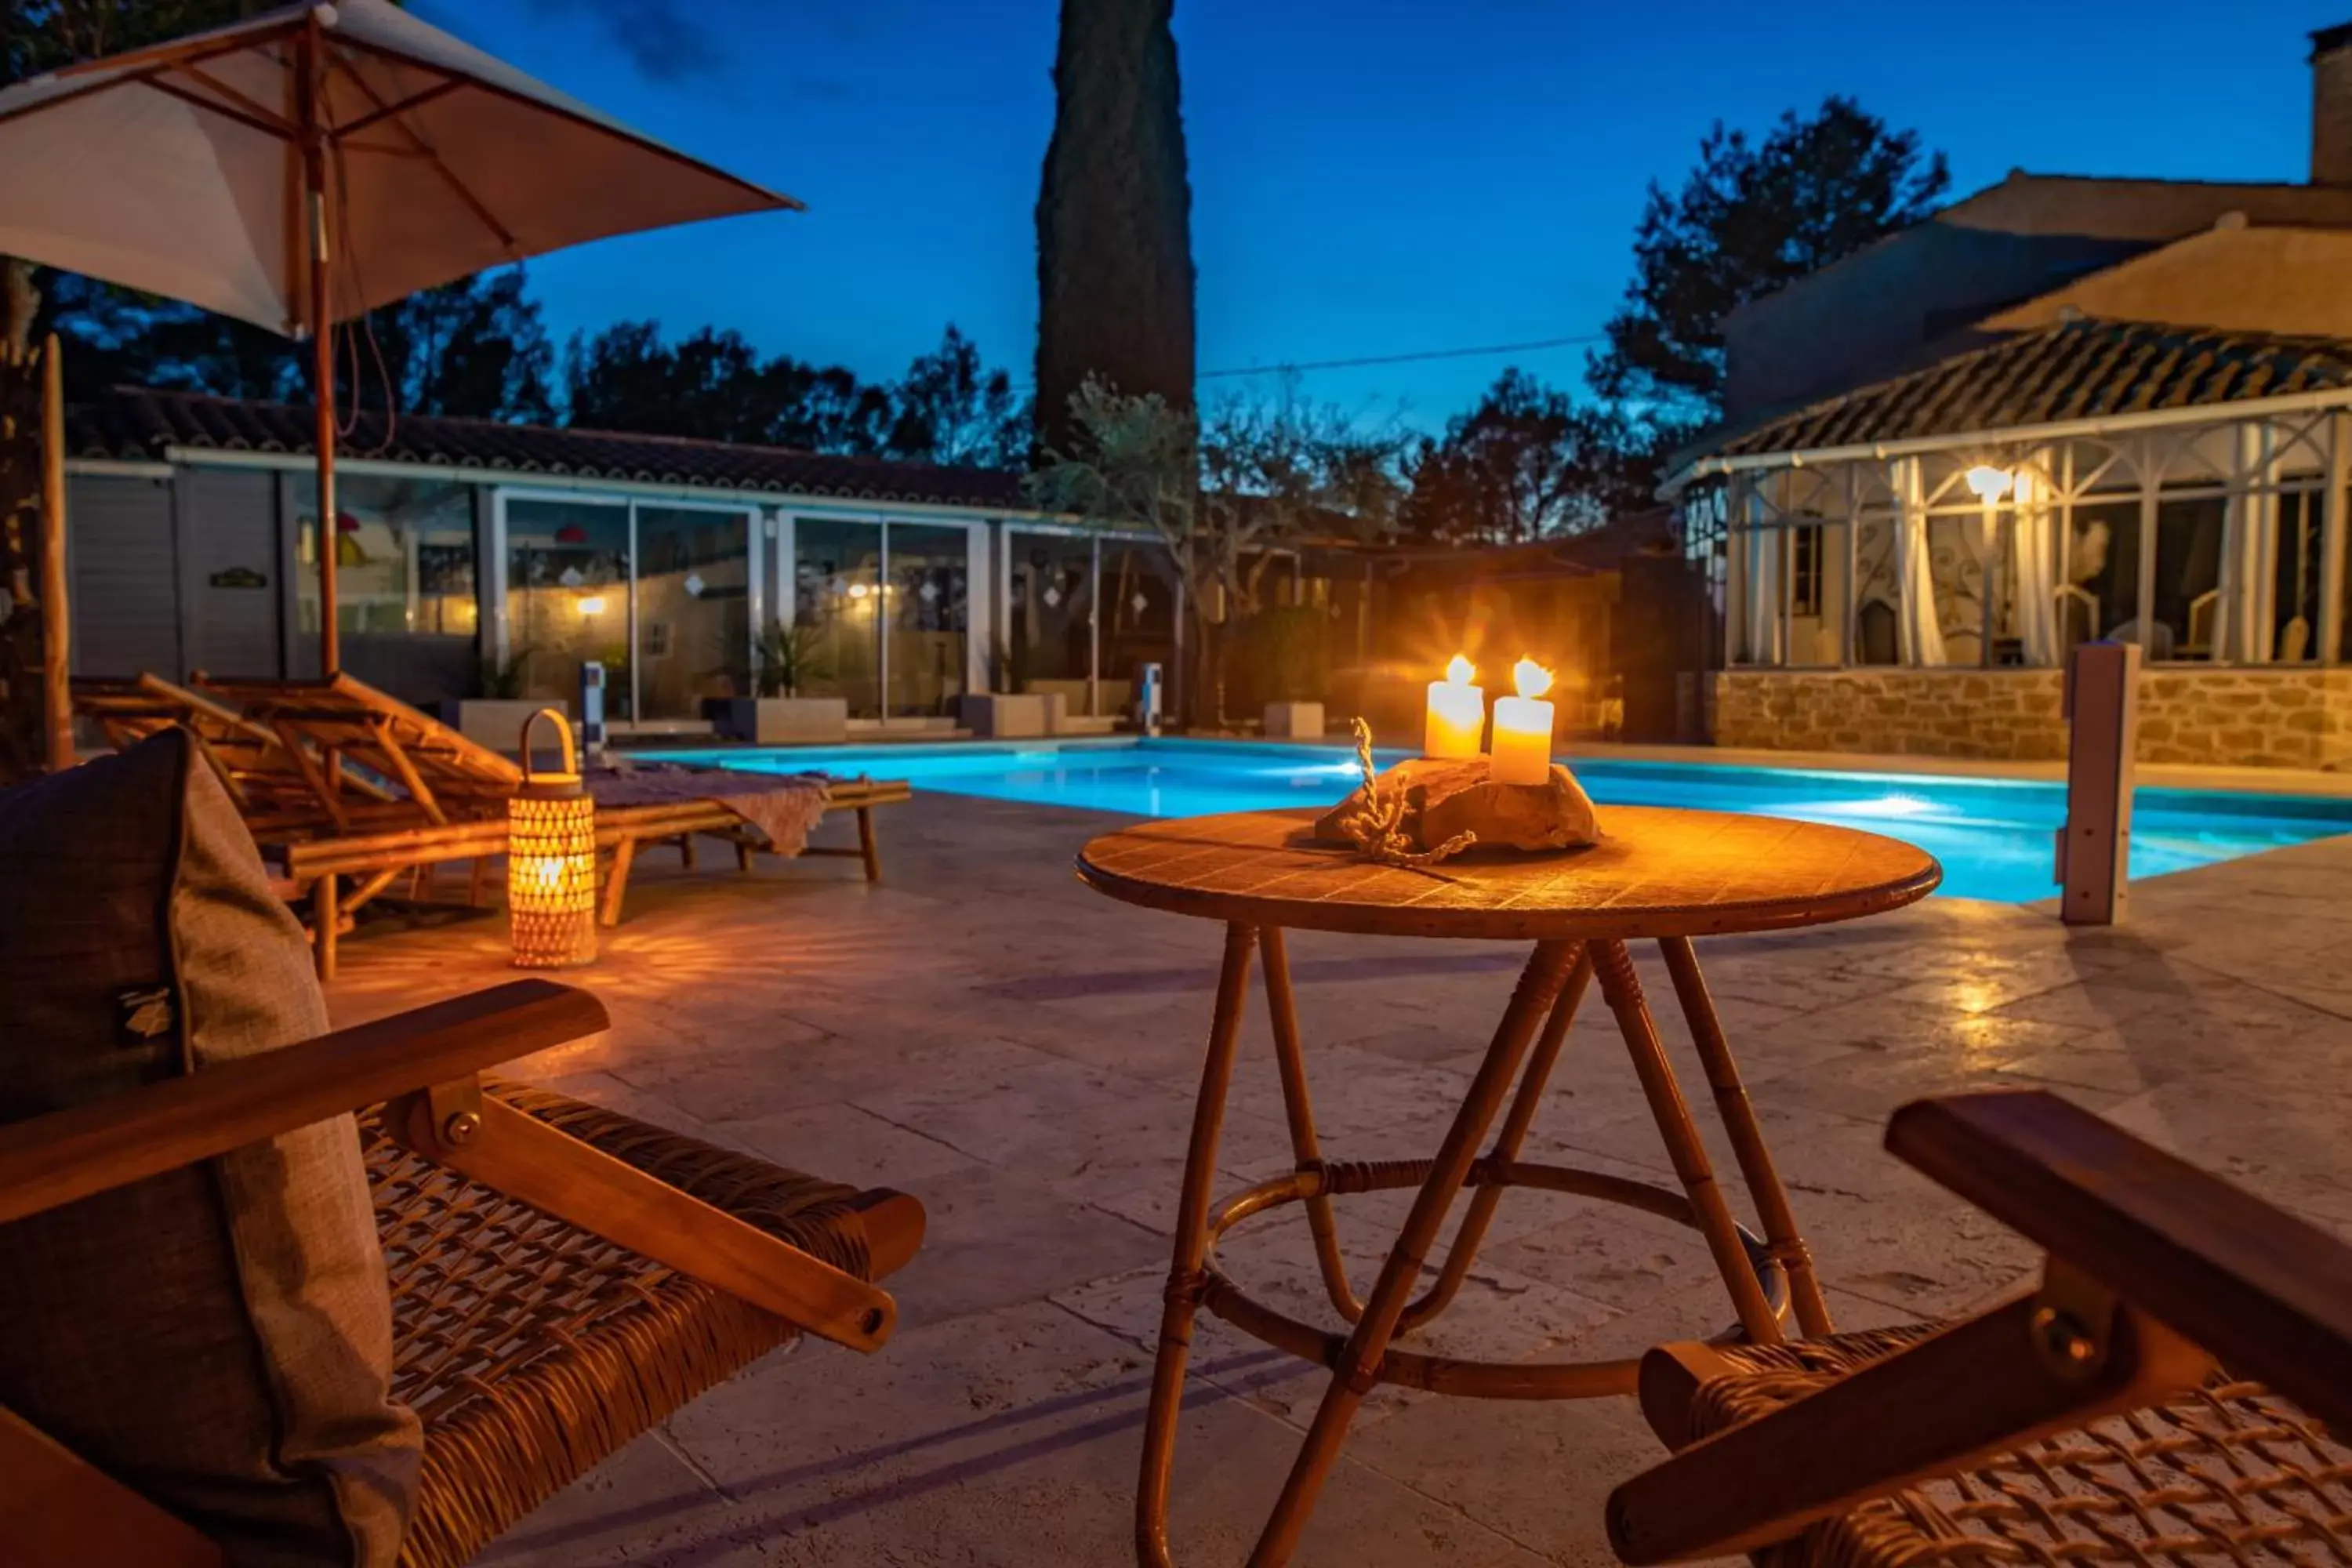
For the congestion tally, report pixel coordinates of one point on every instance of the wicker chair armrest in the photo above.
(2267, 1293)
(870, 1233)
(56, 1159)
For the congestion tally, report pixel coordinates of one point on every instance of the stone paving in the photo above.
(1020, 1053)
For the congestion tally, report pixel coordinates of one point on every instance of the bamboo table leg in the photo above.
(1300, 1113)
(1748, 1144)
(1358, 1369)
(1184, 1276)
(1622, 991)
(1516, 1123)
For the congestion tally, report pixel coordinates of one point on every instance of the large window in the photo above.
(1049, 601)
(926, 606)
(693, 609)
(837, 611)
(567, 599)
(404, 591)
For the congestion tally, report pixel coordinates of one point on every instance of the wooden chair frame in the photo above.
(424, 1067)
(276, 783)
(2154, 1268)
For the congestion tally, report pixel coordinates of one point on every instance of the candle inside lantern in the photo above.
(1523, 728)
(1457, 713)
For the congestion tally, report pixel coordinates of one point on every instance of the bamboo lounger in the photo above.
(459, 789)
(275, 781)
(680, 1263)
(379, 859)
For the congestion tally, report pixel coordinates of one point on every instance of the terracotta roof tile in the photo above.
(141, 422)
(2071, 370)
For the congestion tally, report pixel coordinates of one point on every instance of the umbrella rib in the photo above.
(260, 112)
(391, 115)
(174, 90)
(415, 101)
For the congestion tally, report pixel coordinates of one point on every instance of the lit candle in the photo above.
(1458, 712)
(1523, 728)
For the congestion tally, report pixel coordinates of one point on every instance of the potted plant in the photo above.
(790, 659)
(493, 713)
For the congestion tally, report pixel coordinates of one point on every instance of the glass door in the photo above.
(567, 600)
(926, 606)
(693, 609)
(837, 611)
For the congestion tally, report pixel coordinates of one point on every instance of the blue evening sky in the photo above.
(1369, 177)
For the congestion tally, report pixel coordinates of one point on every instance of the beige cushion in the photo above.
(218, 1338)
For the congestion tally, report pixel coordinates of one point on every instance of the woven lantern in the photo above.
(552, 860)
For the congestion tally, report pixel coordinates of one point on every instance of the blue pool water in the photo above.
(1993, 836)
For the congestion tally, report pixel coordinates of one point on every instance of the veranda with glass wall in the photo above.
(458, 583)
(2211, 543)
(1921, 596)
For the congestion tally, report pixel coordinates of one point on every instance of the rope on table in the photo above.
(1375, 827)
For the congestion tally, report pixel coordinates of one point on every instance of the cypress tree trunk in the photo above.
(1114, 215)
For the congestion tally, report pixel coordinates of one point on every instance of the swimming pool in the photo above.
(1993, 836)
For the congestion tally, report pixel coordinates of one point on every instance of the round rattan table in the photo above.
(1659, 874)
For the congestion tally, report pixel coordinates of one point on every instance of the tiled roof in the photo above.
(2083, 369)
(140, 423)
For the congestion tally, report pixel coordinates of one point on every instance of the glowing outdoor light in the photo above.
(552, 860)
(1523, 728)
(1988, 483)
(594, 605)
(1458, 712)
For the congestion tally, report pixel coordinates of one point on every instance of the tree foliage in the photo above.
(949, 409)
(1224, 491)
(1751, 217)
(1529, 462)
(1115, 279)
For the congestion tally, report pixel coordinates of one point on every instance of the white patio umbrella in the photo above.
(298, 169)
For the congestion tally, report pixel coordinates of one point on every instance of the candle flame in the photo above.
(1532, 678)
(1459, 670)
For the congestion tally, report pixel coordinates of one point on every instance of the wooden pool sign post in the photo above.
(2103, 725)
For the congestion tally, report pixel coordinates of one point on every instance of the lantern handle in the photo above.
(563, 728)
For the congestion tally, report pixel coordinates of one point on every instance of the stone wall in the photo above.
(2246, 718)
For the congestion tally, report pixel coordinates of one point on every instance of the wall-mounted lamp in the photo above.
(1990, 484)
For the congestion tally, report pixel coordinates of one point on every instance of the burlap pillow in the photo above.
(218, 1338)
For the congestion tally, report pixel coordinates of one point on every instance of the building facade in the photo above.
(479, 559)
(2062, 410)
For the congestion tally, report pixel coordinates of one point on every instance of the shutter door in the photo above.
(126, 601)
(231, 520)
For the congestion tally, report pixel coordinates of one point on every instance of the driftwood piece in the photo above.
(1444, 799)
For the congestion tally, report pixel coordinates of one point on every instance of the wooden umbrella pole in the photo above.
(309, 111)
(56, 628)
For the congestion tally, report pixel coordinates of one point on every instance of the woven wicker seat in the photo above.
(2088, 1423)
(2232, 1474)
(532, 1348)
(562, 1276)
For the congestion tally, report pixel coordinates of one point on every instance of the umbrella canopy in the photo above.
(300, 168)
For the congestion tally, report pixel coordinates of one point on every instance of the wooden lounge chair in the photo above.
(563, 1276)
(2086, 1423)
(374, 861)
(278, 787)
(461, 789)
(446, 777)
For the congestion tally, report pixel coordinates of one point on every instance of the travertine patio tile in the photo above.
(1020, 1055)
(1013, 1440)
(996, 1238)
